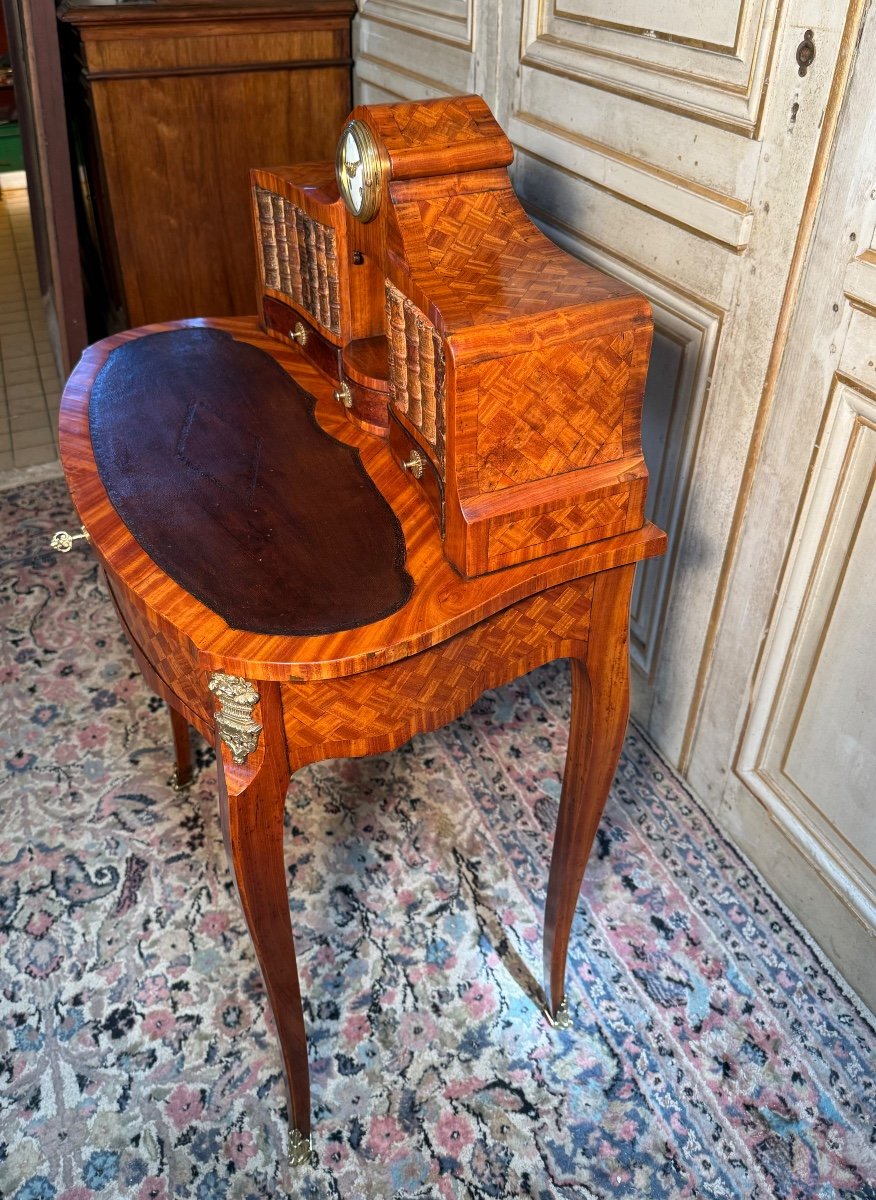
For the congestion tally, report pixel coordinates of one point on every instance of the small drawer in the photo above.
(416, 463)
(283, 321)
(365, 373)
(365, 407)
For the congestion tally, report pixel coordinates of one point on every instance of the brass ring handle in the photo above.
(414, 464)
(344, 396)
(299, 334)
(63, 541)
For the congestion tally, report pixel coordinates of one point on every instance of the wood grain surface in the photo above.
(366, 690)
(516, 370)
(513, 377)
(443, 604)
(179, 103)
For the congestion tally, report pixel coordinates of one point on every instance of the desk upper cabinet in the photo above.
(511, 373)
(170, 104)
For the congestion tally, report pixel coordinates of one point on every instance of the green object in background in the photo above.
(11, 158)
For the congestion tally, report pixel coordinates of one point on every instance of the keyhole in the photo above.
(806, 52)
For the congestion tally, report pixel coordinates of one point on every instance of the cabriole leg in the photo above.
(252, 796)
(600, 710)
(183, 773)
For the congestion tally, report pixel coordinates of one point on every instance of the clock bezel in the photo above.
(372, 168)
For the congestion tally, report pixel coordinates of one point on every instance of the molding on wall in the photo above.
(827, 130)
(701, 210)
(695, 328)
(408, 61)
(841, 490)
(859, 284)
(398, 83)
(448, 20)
(723, 84)
(793, 876)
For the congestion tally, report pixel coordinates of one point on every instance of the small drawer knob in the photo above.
(299, 334)
(63, 541)
(344, 396)
(414, 464)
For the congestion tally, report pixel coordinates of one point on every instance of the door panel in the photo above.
(796, 637)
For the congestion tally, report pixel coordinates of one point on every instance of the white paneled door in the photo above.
(797, 636)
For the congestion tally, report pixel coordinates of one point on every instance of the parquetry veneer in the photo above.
(493, 394)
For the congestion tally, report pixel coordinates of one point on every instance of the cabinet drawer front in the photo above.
(406, 451)
(166, 52)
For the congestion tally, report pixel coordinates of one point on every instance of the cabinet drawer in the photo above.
(416, 463)
(225, 47)
(282, 320)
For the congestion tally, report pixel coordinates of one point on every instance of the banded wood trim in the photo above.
(169, 658)
(156, 681)
(295, 64)
(113, 20)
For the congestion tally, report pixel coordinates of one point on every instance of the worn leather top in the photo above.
(213, 459)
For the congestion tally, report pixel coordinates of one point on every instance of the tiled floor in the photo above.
(29, 385)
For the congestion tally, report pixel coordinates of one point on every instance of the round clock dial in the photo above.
(358, 169)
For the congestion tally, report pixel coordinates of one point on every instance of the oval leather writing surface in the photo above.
(212, 457)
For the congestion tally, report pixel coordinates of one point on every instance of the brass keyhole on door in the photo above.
(806, 52)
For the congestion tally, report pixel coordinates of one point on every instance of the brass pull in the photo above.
(344, 396)
(299, 334)
(63, 541)
(414, 465)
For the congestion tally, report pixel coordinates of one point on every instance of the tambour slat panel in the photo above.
(299, 258)
(416, 367)
(268, 239)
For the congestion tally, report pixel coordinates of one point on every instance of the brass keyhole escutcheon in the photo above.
(806, 52)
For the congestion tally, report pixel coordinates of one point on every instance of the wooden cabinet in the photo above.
(170, 105)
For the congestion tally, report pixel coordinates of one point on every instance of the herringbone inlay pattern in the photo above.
(595, 518)
(169, 660)
(472, 239)
(419, 123)
(426, 690)
(542, 414)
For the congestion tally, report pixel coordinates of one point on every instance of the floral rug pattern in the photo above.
(713, 1052)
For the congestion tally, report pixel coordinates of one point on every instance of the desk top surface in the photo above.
(210, 454)
(441, 605)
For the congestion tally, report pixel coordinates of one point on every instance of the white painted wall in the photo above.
(678, 146)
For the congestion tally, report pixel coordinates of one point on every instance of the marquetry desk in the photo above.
(272, 702)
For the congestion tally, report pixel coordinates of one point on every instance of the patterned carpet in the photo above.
(713, 1053)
